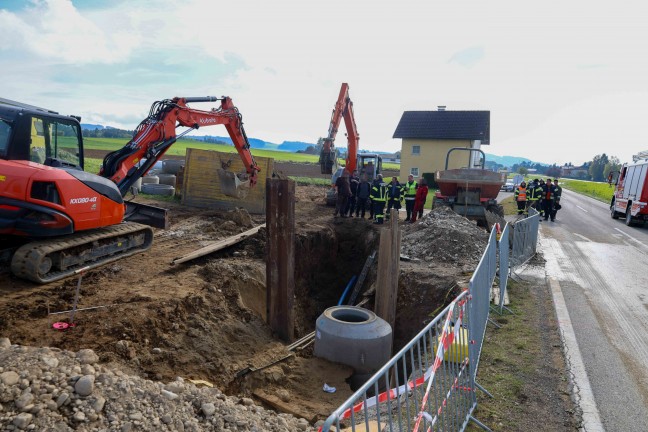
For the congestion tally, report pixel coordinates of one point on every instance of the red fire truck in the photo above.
(631, 192)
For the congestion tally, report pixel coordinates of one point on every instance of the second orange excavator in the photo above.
(367, 164)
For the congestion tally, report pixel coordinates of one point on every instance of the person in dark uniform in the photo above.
(557, 196)
(548, 196)
(354, 180)
(379, 199)
(394, 196)
(362, 196)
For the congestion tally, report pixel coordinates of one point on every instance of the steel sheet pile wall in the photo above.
(201, 184)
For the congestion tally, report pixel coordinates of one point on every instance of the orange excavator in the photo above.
(56, 219)
(369, 164)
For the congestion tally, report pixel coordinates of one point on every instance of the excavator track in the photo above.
(50, 260)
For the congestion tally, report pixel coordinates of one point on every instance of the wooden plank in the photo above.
(218, 245)
(388, 270)
(361, 279)
(280, 256)
(362, 427)
(282, 406)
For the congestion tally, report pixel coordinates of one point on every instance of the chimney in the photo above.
(441, 107)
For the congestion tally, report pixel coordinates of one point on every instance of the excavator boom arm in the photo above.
(343, 110)
(157, 133)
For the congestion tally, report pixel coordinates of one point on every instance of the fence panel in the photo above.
(525, 238)
(480, 290)
(504, 249)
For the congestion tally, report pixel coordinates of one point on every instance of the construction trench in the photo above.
(205, 320)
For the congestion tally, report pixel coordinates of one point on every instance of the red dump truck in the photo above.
(630, 198)
(470, 192)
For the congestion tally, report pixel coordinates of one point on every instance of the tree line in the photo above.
(598, 169)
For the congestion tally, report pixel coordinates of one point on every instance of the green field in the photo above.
(601, 191)
(180, 149)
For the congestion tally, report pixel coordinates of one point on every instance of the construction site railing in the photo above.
(503, 250)
(430, 384)
(480, 288)
(525, 238)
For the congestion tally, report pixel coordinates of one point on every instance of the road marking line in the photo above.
(582, 209)
(632, 238)
(591, 418)
(581, 236)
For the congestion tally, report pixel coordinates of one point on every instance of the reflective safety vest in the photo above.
(379, 192)
(409, 189)
(520, 194)
(535, 193)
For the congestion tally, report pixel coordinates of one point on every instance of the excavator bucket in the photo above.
(232, 186)
(328, 161)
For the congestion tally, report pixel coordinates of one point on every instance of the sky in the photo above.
(563, 80)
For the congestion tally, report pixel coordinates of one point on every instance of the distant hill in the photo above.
(88, 126)
(508, 161)
(256, 143)
(294, 146)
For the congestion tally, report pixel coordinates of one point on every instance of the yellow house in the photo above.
(429, 135)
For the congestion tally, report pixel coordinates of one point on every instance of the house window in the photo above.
(414, 172)
(416, 150)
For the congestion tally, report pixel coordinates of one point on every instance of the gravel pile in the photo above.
(444, 237)
(47, 389)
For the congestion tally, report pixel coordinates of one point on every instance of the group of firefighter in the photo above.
(354, 192)
(542, 196)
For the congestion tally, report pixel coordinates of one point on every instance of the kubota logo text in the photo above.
(83, 200)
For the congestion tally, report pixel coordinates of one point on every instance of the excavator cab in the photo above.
(39, 135)
(369, 164)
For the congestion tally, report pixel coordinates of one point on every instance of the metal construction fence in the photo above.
(525, 238)
(430, 384)
(503, 248)
(480, 288)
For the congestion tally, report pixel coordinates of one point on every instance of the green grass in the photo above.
(601, 191)
(92, 165)
(513, 363)
(180, 149)
(302, 181)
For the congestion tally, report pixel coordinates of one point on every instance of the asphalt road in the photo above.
(601, 267)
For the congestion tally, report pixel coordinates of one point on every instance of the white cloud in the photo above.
(545, 71)
(54, 29)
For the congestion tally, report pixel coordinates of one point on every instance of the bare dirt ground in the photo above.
(205, 319)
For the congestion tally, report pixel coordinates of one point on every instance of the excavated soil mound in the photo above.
(445, 238)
